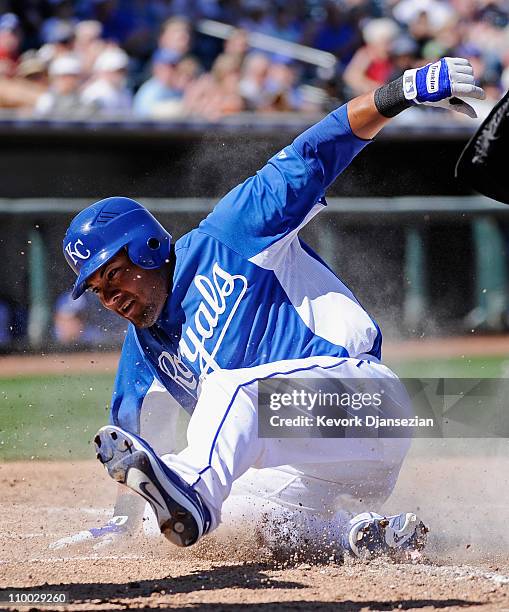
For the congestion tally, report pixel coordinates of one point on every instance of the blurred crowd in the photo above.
(74, 324)
(149, 59)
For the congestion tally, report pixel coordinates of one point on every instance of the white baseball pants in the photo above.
(321, 475)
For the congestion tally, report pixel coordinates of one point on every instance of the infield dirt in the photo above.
(464, 499)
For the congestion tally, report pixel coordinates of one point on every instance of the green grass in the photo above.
(55, 417)
(52, 417)
(458, 367)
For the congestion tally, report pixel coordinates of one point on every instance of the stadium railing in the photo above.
(488, 245)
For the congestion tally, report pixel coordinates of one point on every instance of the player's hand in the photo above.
(444, 83)
(97, 538)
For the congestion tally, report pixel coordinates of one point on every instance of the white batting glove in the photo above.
(442, 84)
(100, 537)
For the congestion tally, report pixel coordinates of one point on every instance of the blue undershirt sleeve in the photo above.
(133, 380)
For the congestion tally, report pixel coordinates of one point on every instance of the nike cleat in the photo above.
(182, 517)
(370, 534)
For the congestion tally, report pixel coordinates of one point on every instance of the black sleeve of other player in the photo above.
(483, 164)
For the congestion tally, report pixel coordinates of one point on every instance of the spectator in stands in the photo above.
(188, 70)
(68, 321)
(61, 37)
(237, 44)
(338, 33)
(253, 82)
(176, 36)
(6, 335)
(10, 43)
(421, 30)
(124, 22)
(33, 70)
(62, 20)
(85, 322)
(216, 93)
(162, 87)
(88, 44)
(282, 93)
(107, 92)
(257, 16)
(371, 66)
(442, 44)
(437, 13)
(404, 53)
(13, 322)
(60, 43)
(86, 28)
(162, 10)
(29, 82)
(117, 21)
(63, 100)
(285, 25)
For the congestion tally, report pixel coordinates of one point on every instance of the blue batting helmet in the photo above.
(100, 231)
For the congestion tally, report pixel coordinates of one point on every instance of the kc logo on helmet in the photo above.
(75, 253)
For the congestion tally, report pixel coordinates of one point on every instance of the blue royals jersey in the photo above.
(246, 290)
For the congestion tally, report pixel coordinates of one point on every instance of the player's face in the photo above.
(134, 293)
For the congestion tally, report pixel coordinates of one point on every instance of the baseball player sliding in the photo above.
(237, 300)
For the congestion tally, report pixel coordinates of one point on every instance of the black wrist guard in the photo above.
(390, 99)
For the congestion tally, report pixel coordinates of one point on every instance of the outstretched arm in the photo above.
(288, 191)
(329, 146)
(364, 117)
(442, 84)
